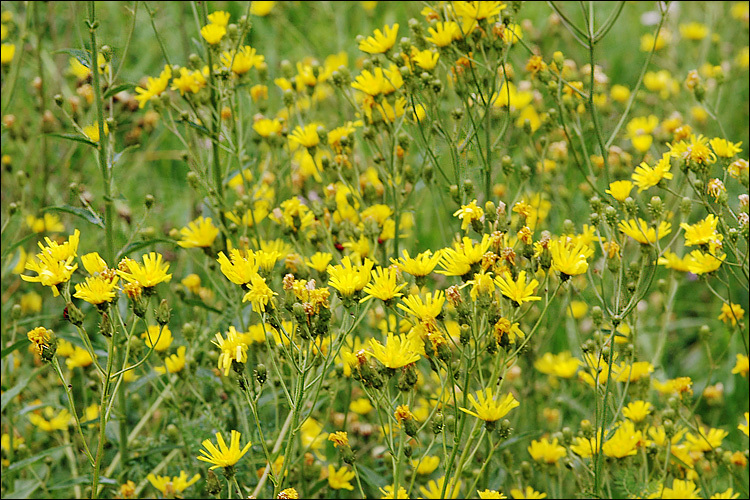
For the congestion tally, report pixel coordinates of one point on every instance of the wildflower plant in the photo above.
(458, 250)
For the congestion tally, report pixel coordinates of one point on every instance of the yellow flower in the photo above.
(306, 137)
(671, 260)
(383, 285)
(693, 31)
(50, 272)
(348, 279)
(50, 223)
(518, 291)
(97, 289)
(723, 147)
(419, 266)
(646, 176)
(619, 93)
(642, 233)
(620, 190)
(339, 479)
(219, 18)
(150, 274)
(426, 310)
(199, 233)
(569, 259)
(387, 492)
(705, 441)
(158, 338)
(731, 313)
(546, 451)
(213, 33)
(468, 214)
(729, 492)
(319, 261)
(7, 53)
(624, 442)
(339, 438)
(173, 363)
(261, 9)
(679, 489)
(266, 127)
(93, 263)
(702, 232)
(489, 409)
(398, 351)
(426, 466)
(242, 61)
(241, 268)
(154, 87)
(80, 358)
(175, 485)
(490, 494)
(562, 365)
(361, 406)
(259, 294)
(92, 131)
(695, 149)
(703, 263)
(741, 366)
(51, 422)
(677, 385)
(223, 456)
(444, 34)
(40, 337)
(528, 492)
(425, 59)
(434, 489)
(585, 448)
(637, 411)
(745, 428)
(381, 42)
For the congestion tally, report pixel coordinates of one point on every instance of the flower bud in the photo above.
(163, 312)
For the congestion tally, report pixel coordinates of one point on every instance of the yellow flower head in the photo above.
(199, 233)
(223, 456)
(637, 411)
(742, 366)
(731, 313)
(172, 486)
(426, 310)
(213, 33)
(646, 176)
(150, 274)
(173, 363)
(158, 338)
(546, 451)
(518, 291)
(340, 479)
(468, 214)
(381, 42)
(383, 285)
(489, 409)
(641, 232)
(259, 294)
(569, 259)
(620, 190)
(419, 266)
(97, 289)
(306, 137)
(219, 18)
(397, 352)
(154, 87)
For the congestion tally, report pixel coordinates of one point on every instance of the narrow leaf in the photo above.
(80, 212)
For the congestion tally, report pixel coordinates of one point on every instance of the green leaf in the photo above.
(28, 461)
(83, 56)
(117, 89)
(14, 391)
(80, 212)
(86, 479)
(119, 155)
(137, 245)
(76, 138)
(200, 128)
(13, 347)
(24, 488)
(17, 244)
